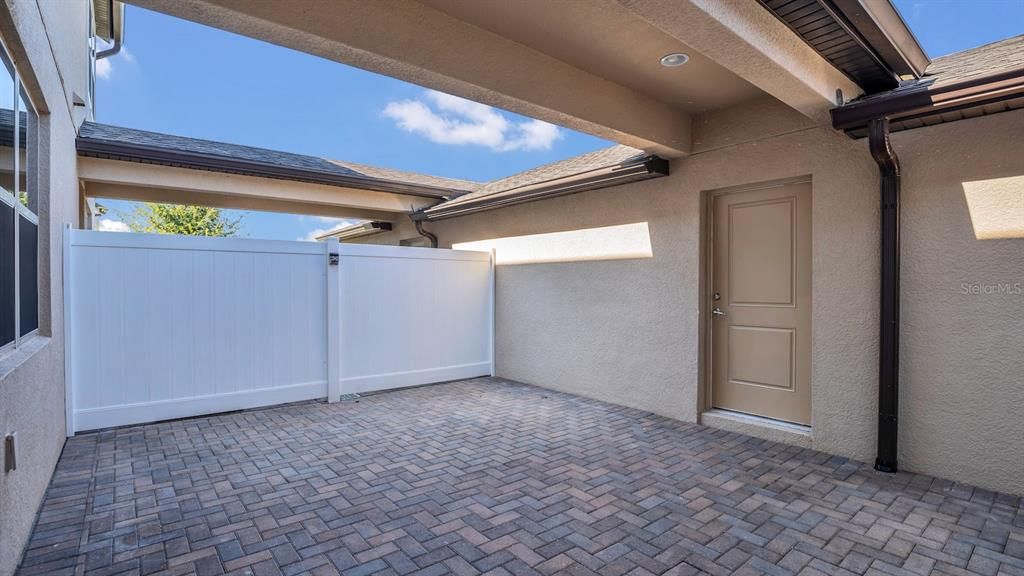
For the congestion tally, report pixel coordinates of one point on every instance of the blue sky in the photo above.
(182, 78)
(946, 26)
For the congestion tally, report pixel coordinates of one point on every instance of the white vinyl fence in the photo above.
(164, 327)
(412, 316)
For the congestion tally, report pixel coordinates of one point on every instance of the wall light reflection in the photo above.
(620, 242)
(996, 207)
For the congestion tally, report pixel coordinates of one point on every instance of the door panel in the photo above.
(760, 327)
(761, 356)
(761, 254)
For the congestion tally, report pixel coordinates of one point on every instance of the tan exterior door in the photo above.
(760, 302)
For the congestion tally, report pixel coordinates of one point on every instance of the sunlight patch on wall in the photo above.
(620, 242)
(996, 207)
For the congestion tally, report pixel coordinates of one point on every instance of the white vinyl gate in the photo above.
(164, 327)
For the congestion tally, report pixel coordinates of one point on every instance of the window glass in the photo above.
(7, 204)
(28, 226)
(19, 205)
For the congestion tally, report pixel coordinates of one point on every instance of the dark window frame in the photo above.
(21, 267)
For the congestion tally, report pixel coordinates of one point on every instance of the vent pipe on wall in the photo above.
(889, 341)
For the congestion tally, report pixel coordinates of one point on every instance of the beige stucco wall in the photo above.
(627, 331)
(49, 38)
(962, 346)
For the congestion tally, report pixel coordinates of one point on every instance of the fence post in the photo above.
(333, 319)
(493, 297)
(69, 340)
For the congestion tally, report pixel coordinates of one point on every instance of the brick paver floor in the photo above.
(490, 476)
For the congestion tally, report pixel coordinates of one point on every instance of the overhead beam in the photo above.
(749, 41)
(106, 178)
(410, 41)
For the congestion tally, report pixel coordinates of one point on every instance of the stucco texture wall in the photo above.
(628, 331)
(32, 394)
(962, 341)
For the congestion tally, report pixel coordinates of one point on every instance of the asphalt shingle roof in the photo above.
(95, 132)
(984, 60)
(411, 177)
(463, 190)
(576, 165)
(1002, 56)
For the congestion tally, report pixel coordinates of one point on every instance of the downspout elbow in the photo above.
(881, 148)
(424, 233)
(109, 51)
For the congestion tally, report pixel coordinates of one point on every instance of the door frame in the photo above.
(707, 231)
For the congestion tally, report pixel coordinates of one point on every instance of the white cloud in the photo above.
(447, 119)
(107, 225)
(311, 236)
(105, 67)
(334, 224)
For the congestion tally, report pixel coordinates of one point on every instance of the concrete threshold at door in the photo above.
(758, 427)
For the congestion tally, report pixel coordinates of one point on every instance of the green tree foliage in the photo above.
(184, 220)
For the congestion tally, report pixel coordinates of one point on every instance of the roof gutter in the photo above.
(116, 30)
(142, 153)
(931, 100)
(641, 168)
(357, 231)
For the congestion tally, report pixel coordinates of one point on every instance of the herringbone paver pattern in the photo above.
(489, 476)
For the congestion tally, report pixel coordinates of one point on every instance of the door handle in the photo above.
(716, 311)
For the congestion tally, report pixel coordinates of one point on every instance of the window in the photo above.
(19, 200)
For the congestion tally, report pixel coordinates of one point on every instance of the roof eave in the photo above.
(845, 49)
(140, 153)
(885, 31)
(867, 41)
(643, 168)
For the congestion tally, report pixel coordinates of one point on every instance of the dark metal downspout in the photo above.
(425, 234)
(889, 341)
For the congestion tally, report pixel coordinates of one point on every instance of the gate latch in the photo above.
(332, 259)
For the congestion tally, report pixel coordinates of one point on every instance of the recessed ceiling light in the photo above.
(674, 60)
